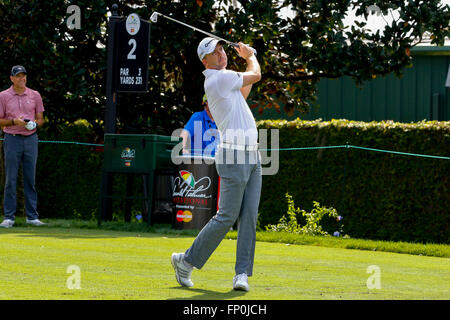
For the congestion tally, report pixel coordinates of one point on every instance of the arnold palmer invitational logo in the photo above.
(189, 191)
(128, 156)
(133, 24)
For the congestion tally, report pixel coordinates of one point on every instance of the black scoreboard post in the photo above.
(131, 70)
(111, 96)
(127, 71)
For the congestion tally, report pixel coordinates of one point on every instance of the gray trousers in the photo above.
(20, 150)
(240, 189)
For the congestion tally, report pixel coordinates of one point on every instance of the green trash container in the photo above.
(144, 154)
(137, 153)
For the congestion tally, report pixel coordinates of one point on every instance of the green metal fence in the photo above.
(419, 95)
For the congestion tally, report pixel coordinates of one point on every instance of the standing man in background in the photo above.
(240, 181)
(200, 135)
(21, 113)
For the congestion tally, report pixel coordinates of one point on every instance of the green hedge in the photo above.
(379, 195)
(68, 176)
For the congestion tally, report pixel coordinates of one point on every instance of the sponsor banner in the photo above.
(195, 195)
(128, 155)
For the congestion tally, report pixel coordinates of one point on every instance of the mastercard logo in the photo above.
(184, 216)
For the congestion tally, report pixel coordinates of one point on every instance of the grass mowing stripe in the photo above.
(428, 249)
(130, 265)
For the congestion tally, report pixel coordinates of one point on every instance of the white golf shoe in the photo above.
(7, 223)
(36, 222)
(240, 282)
(183, 271)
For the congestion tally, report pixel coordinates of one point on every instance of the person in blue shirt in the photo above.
(200, 134)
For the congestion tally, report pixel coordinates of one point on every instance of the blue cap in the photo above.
(18, 69)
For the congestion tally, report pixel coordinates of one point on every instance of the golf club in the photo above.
(154, 19)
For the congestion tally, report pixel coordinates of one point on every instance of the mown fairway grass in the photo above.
(136, 265)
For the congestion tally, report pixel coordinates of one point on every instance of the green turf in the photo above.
(423, 249)
(136, 265)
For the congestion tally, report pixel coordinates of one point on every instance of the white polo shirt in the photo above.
(228, 107)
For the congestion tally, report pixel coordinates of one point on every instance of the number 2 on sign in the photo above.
(131, 55)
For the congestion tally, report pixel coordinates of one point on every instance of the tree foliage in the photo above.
(69, 66)
(66, 66)
(314, 43)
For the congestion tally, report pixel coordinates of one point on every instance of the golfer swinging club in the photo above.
(240, 185)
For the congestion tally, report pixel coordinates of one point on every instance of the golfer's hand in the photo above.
(19, 122)
(244, 51)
